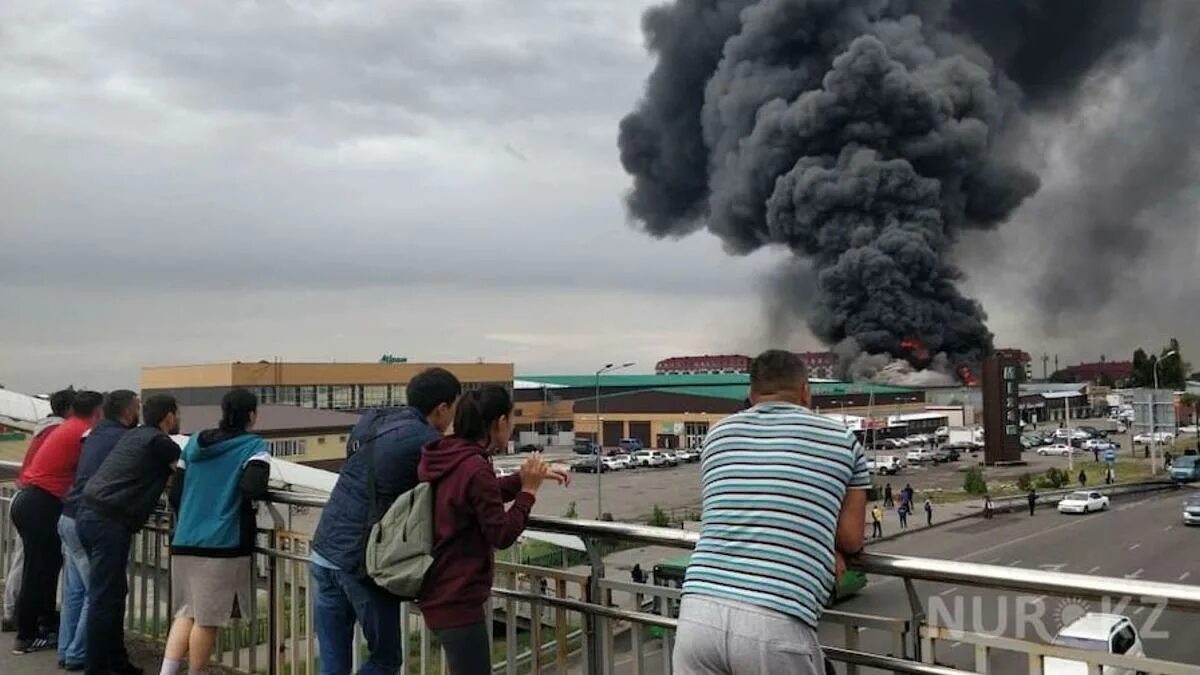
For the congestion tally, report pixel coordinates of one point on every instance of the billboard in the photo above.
(1002, 410)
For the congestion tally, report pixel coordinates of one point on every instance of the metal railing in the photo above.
(579, 621)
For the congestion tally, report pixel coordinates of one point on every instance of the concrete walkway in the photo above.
(144, 654)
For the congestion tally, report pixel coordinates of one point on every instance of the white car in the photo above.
(1083, 501)
(1099, 444)
(1188, 429)
(1095, 632)
(648, 458)
(614, 463)
(504, 471)
(1147, 438)
(688, 455)
(1057, 450)
(919, 455)
(887, 465)
(1074, 434)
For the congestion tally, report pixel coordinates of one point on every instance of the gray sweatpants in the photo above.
(723, 637)
(12, 580)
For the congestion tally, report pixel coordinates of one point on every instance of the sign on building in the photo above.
(1153, 411)
(1001, 410)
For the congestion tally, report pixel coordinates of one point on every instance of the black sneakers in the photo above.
(40, 643)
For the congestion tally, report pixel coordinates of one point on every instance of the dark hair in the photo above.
(776, 370)
(85, 403)
(236, 406)
(60, 402)
(431, 388)
(479, 409)
(156, 408)
(116, 402)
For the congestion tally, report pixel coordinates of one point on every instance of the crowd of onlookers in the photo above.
(95, 471)
(783, 494)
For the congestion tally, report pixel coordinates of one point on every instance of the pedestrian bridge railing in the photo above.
(580, 620)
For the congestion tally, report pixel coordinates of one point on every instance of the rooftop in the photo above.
(651, 381)
(271, 418)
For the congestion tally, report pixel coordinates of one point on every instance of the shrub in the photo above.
(1056, 478)
(1024, 482)
(974, 483)
(572, 512)
(658, 518)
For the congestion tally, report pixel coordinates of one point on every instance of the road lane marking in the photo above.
(1168, 528)
(1134, 547)
(948, 591)
(1094, 570)
(991, 561)
(1136, 574)
(1139, 610)
(1184, 575)
(1014, 563)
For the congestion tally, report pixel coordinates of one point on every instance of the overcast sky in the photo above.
(186, 182)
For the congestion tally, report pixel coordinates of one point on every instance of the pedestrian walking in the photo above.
(888, 502)
(987, 506)
(60, 408)
(470, 523)
(737, 611)
(386, 444)
(227, 468)
(115, 503)
(928, 512)
(1032, 498)
(638, 576)
(1082, 478)
(1096, 453)
(120, 411)
(35, 512)
(1109, 476)
(903, 513)
(906, 495)
(876, 522)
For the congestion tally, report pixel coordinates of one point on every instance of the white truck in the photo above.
(961, 436)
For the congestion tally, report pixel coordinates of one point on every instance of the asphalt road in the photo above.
(1140, 537)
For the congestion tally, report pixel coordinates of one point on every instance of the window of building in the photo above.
(399, 394)
(288, 395)
(374, 395)
(342, 397)
(694, 433)
(287, 448)
(307, 396)
(320, 440)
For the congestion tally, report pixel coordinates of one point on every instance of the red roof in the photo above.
(1090, 372)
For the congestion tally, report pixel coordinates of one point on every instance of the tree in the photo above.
(1172, 370)
(1105, 380)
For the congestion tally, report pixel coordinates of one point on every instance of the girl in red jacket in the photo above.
(471, 522)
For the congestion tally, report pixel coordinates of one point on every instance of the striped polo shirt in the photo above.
(773, 479)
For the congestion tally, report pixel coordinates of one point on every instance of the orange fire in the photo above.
(968, 378)
(917, 352)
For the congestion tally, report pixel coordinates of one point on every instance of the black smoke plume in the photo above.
(863, 135)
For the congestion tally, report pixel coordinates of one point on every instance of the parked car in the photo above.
(887, 465)
(1188, 430)
(945, 454)
(583, 447)
(1093, 431)
(615, 463)
(630, 444)
(589, 465)
(688, 455)
(941, 432)
(1057, 450)
(1099, 444)
(1083, 501)
(1160, 437)
(1074, 434)
(1095, 632)
(648, 458)
(670, 456)
(1191, 509)
(503, 471)
(920, 455)
(1185, 469)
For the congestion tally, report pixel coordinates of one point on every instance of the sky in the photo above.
(208, 182)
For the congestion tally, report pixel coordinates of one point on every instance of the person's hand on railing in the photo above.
(558, 474)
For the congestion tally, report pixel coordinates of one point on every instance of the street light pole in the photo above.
(600, 438)
(1154, 416)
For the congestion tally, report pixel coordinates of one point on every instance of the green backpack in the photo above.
(400, 544)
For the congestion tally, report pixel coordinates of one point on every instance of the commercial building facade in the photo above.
(821, 365)
(329, 386)
(672, 411)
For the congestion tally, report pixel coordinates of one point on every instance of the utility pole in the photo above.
(1070, 439)
(1045, 363)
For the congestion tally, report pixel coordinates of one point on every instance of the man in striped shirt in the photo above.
(783, 503)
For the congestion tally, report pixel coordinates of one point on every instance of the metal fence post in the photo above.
(593, 625)
(275, 605)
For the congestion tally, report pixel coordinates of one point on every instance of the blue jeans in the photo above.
(107, 544)
(72, 625)
(341, 599)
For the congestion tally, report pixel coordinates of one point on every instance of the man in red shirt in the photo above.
(35, 512)
(60, 407)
